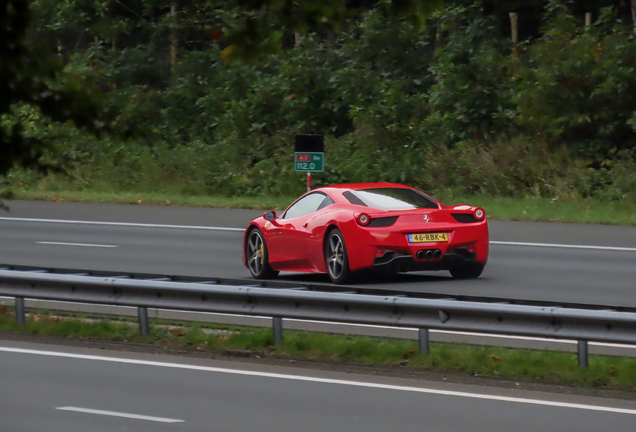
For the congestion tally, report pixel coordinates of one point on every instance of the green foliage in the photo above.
(259, 33)
(29, 78)
(471, 97)
(454, 109)
(28, 75)
(579, 84)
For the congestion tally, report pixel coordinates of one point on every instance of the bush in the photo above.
(450, 110)
(579, 85)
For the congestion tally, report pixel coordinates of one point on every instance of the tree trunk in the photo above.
(634, 14)
(173, 37)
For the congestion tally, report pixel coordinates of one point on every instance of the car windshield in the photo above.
(391, 199)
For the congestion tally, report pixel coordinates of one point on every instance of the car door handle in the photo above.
(305, 225)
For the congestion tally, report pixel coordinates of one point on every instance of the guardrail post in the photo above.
(425, 348)
(20, 314)
(582, 354)
(144, 329)
(277, 326)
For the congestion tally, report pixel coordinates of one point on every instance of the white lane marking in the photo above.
(125, 224)
(551, 245)
(302, 378)
(211, 228)
(119, 414)
(75, 244)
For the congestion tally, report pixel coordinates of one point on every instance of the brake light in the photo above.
(380, 253)
(363, 219)
(471, 248)
(479, 213)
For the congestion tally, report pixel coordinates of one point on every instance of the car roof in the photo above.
(358, 186)
(336, 191)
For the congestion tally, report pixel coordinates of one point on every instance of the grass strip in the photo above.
(548, 367)
(554, 210)
(520, 209)
(264, 203)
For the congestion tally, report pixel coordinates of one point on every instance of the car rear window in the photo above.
(390, 199)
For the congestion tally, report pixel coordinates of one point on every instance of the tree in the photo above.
(262, 31)
(29, 76)
(34, 77)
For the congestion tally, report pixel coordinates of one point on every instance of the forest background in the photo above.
(456, 109)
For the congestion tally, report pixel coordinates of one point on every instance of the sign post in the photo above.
(309, 155)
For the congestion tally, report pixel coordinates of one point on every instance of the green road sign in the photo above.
(309, 161)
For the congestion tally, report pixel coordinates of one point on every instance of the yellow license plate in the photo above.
(428, 237)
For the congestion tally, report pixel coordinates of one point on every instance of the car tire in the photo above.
(336, 257)
(257, 256)
(469, 270)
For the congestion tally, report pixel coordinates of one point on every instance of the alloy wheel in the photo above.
(335, 260)
(256, 252)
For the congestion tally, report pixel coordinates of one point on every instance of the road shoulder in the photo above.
(376, 374)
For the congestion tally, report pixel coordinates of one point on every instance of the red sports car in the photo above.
(342, 229)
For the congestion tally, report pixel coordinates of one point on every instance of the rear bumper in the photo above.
(364, 243)
(396, 262)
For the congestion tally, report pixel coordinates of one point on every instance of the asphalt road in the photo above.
(73, 389)
(516, 271)
(207, 242)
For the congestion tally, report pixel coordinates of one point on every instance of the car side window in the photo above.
(306, 205)
(326, 202)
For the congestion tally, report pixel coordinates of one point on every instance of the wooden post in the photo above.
(173, 37)
(588, 19)
(514, 18)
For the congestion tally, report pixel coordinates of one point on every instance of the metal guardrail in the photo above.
(311, 282)
(300, 303)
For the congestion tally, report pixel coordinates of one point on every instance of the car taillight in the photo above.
(363, 219)
(471, 248)
(380, 253)
(479, 213)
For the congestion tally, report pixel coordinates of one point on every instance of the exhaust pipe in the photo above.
(428, 254)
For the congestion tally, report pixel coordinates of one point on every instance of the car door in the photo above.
(313, 235)
(287, 240)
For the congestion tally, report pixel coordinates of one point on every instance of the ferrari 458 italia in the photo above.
(342, 229)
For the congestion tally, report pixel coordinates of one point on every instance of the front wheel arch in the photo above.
(264, 271)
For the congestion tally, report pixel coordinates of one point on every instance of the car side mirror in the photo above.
(270, 216)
